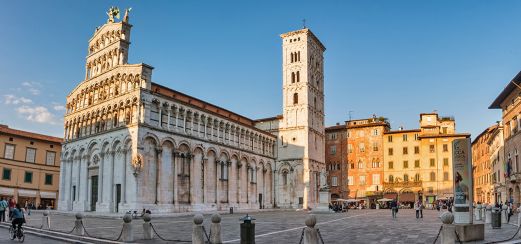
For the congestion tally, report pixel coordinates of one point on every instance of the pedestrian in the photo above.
(509, 212)
(11, 204)
(421, 209)
(3, 207)
(417, 208)
(394, 208)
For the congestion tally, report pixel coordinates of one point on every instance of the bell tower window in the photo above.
(292, 77)
(295, 98)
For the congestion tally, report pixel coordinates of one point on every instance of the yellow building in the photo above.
(30, 167)
(418, 163)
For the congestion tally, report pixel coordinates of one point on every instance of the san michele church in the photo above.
(131, 143)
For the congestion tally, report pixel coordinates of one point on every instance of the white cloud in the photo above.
(12, 99)
(32, 87)
(37, 114)
(58, 107)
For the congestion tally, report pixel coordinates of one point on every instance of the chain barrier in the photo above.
(302, 236)
(438, 235)
(457, 238)
(509, 239)
(163, 239)
(206, 234)
(320, 236)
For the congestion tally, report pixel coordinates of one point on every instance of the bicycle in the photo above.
(19, 233)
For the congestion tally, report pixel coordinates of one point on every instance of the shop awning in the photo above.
(45, 194)
(6, 191)
(26, 193)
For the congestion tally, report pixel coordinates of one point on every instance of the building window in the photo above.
(405, 164)
(50, 158)
(352, 165)
(417, 177)
(293, 77)
(431, 148)
(376, 179)
(390, 165)
(445, 176)
(376, 164)
(334, 181)
(295, 98)
(6, 174)
(350, 148)
(432, 162)
(375, 132)
(30, 155)
(444, 130)
(416, 137)
(389, 138)
(375, 146)
(433, 176)
(405, 151)
(362, 147)
(28, 177)
(445, 148)
(284, 177)
(404, 137)
(48, 179)
(430, 190)
(332, 150)
(416, 150)
(362, 179)
(350, 180)
(390, 151)
(360, 165)
(224, 170)
(298, 76)
(445, 161)
(391, 178)
(9, 151)
(405, 178)
(416, 163)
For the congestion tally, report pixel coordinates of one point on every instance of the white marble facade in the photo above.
(132, 144)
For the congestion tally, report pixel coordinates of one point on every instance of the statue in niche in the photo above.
(113, 12)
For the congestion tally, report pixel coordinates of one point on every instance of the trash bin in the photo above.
(496, 218)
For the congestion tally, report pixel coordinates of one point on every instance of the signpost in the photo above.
(462, 181)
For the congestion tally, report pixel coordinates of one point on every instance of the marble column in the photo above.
(218, 183)
(111, 181)
(158, 158)
(101, 176)
(126, 161)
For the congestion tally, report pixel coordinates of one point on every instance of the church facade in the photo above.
(132, 144)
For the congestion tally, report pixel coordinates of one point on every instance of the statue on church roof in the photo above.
(127, 11)
(113, 12)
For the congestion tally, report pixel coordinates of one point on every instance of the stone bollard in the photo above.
(46, 220)
(504, 214)
(310, 233)
(148, 234)
(518, 217)
(478, 215)
(127, 235)
(197, 230)
(78, 225)
(488, 214)
(215, 229)
(448, 231)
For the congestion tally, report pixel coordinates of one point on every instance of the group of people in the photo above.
(16, 213)
(418, 207)
(338, 207)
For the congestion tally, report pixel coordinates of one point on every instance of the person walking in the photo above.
(3, 207)
(421, 209)
(394, 208)
(509, 211)
(417, 208)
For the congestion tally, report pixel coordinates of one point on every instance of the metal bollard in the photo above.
(127, 235)
(78, 225)
(310, 233)
(215, 229)
(197, 230)
(247, 230)
(148, 234)
(46, 220)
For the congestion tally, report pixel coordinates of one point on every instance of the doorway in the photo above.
(118, 196)
(260, 201)
(93, 192)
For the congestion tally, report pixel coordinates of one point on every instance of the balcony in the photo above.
(402, 184)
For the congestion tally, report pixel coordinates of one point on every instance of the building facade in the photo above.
(30, 166)
(497, 159)
(509, 102)
(131, 143)
(418, 163)
(365, 156)
(336, 160)
(482, 166)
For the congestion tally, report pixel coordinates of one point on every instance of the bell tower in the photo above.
(301, 130)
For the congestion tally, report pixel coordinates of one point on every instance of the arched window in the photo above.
(292, 77)
(298, 56)
(298, 76)
(284, 177)
(391, 178)
(295, 98)
(405, 178)
(292, 57)
(417, 177)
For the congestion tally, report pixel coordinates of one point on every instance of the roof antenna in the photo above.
(304, 24)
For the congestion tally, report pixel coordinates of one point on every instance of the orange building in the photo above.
(30, 166)
(482, 166)
(336, 158)
(365, 157)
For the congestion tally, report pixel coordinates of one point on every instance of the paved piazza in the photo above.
(357, 226)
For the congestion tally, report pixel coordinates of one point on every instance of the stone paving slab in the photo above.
(356, 226)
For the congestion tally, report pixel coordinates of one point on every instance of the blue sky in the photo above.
(391, 58)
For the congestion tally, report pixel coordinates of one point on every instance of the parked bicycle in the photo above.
(17, 233)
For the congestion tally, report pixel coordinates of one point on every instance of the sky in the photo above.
(395, 59)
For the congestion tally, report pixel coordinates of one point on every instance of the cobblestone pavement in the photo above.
(357, 226)
(29, 238)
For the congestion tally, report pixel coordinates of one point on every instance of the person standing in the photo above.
(421, 209)
(417, 208)
(394, 207)
(3, 207)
